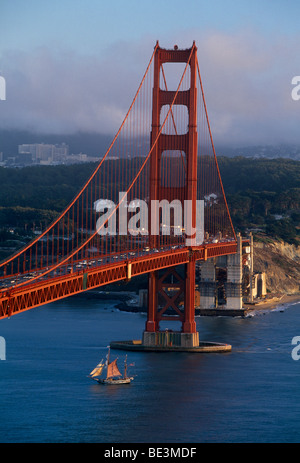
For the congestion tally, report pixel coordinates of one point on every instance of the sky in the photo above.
(74, 65)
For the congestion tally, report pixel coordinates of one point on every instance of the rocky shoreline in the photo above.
(273, 303)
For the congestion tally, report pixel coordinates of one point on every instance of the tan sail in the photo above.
(113, 370)
(98, 370)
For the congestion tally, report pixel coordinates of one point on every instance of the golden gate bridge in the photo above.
(163, 153)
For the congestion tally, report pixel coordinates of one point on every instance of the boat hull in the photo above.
(114, 381)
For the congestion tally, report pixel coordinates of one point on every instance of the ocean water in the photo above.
(251, 394)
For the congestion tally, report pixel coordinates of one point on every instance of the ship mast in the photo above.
(125, 367)
(107, 362)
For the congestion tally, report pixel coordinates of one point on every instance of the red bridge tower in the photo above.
(186, 143)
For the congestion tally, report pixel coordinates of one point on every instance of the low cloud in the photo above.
(246, 78)
(59, 92)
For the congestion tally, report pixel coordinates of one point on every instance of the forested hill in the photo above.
(262, 194)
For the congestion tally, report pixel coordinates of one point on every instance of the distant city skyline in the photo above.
(46, 154)
(75, 65)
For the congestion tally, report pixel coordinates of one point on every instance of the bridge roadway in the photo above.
(14, 300)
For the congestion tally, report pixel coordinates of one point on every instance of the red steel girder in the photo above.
(43, 292)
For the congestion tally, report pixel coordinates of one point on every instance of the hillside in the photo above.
(281, 262)
(263, 196)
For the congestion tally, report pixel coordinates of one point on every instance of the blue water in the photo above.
(251, 394)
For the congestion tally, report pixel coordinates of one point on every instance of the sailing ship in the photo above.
(113, 374)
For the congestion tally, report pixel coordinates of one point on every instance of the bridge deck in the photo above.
(16, 300)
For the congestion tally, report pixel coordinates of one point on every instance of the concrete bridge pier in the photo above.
(234, 298)
(207, 284)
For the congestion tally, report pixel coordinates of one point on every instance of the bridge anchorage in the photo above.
(154, 205)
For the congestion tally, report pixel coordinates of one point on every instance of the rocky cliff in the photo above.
(281, 262)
